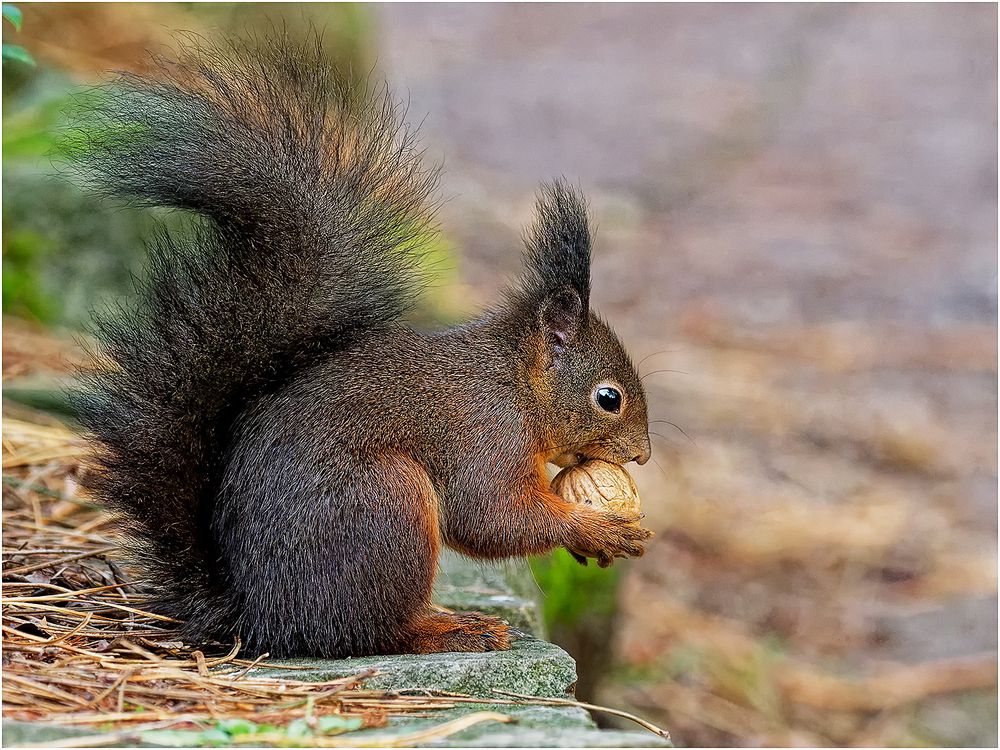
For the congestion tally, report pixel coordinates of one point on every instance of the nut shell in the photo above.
(604, 485)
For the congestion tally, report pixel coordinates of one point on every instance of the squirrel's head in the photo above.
(589, 399)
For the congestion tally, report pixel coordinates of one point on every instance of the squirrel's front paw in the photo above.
(605, 536)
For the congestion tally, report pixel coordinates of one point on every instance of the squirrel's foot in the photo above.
(606, 536)
(436, 631)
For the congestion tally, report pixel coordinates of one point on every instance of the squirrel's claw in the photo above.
(607, 536)
(578, 557)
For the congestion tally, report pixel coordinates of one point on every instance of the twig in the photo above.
(541, 701)
(61, 561)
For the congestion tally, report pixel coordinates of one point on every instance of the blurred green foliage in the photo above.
(31, 117)
(580, 607)
(23, 261)
(573, 592)
(64, 249)
(15, 52)
(13, 14)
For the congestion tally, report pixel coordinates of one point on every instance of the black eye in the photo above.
(609, 399)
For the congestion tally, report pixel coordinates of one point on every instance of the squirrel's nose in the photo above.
(646, 452)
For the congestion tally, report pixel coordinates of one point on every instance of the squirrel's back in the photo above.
(311, 200)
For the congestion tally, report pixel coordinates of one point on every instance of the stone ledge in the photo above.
(533, 726)
(531, 667)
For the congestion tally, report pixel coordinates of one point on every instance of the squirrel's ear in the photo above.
(555, 287)
(557, 248)
(560, 318)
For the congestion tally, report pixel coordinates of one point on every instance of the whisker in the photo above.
(665, 476)
(665, 439)
(657, 372)
(676, 427)
(666, 442)
(655, 354)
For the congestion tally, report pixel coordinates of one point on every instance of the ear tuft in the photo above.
(557, 245)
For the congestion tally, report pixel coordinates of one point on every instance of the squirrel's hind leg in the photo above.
(331, 563)
(428, 629)
(434, 631)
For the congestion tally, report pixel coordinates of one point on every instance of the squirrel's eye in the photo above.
(609, 399)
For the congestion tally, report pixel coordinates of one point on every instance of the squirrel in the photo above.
(286, 454)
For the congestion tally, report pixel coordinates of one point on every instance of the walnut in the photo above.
(604, 485)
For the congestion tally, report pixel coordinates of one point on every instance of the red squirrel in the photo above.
(287, 455)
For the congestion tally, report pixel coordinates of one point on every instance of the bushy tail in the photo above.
(313, 200)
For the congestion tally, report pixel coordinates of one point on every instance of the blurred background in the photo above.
(797, 238)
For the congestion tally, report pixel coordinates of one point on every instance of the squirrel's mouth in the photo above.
(563, 460)
(598, 451)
